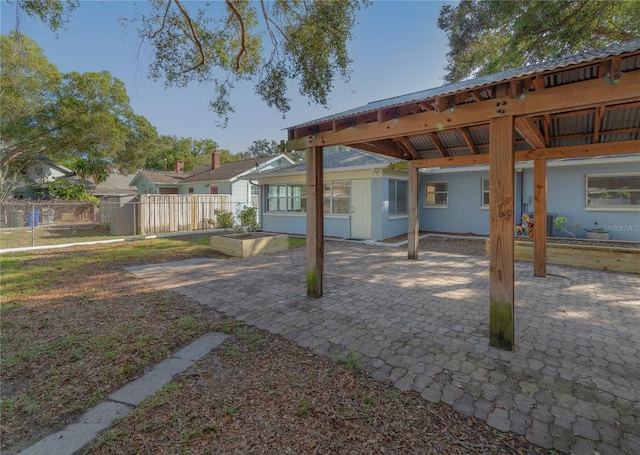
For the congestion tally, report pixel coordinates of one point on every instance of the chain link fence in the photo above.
(26, 223)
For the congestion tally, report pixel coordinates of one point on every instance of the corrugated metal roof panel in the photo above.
(530, 70)
(422, 143)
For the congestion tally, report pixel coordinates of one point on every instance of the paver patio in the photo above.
(572, 383)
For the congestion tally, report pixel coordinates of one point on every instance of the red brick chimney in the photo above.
(215, 159)
(179, 167)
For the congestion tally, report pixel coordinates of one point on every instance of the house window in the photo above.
(485, 192)
(619, 191)
(437, 194)
(337, 196)
(398, 197)
(190, 190)
(286, 198)
(255, 190)
(213, 189)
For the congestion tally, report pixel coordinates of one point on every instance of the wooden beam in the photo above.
(574, 151)
(576, 96)
(387, 148)
(315, 222)
(528, 129)
(501, 204)
(540, 217)
(468, 139)
(413, 218)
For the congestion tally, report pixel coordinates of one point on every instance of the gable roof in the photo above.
(226, 171)
(115, 185)
(347, 157)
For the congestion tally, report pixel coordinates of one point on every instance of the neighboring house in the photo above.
(114, 185)
(363, 197)
(216, 178)
(593, 193)
(39, 172)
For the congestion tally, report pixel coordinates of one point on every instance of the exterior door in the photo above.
(361, 209)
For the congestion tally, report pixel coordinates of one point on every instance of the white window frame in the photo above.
(287, 200)
(332, 197)
(433, 205)
(393, 183)
(610, 208)
(484, 191)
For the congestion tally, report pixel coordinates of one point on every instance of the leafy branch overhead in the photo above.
(223, 43)
(488, 36)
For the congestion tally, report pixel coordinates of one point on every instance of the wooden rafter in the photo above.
(408, 147)
(528, 129)
(437, 144)
(468, 139)
(597, 120)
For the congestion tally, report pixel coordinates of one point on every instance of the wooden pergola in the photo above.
(579, 106)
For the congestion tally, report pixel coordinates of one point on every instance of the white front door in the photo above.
(361, 209)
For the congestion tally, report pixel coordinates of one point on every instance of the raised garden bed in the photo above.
(612, 256)
(251, 244)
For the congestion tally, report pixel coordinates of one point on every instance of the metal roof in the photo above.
(580, 73)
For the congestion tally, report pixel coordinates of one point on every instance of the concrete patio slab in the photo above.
(572, 383)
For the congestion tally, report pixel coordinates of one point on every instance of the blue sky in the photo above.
(396, 49)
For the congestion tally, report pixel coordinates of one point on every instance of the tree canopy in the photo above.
(220, 43)
(83, 119)
(487, 36)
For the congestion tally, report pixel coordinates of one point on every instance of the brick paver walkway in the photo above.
(573, 382)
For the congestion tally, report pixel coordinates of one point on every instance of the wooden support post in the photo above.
(540, 217)
(315, 222)
(414, 222)
(501, 209)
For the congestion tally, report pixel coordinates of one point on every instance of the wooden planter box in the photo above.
(252, 244)
(588, 256)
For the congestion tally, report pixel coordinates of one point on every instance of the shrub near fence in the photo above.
(25, 223)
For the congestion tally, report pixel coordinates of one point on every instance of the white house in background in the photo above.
(216, 178)
(39, 172)
(364, 198)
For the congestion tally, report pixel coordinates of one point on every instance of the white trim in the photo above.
(398, 217)
(439, 192)
(608, 208)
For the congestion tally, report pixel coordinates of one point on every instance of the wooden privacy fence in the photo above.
(165, 213)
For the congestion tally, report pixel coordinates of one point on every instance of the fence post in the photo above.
(33, 223)
(135, 212)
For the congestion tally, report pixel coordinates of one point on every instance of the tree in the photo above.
(92, 120)
(28, 84)
(487, 36)
(221, 43)
(262, 148)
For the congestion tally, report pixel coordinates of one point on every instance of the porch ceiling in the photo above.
(582, 105)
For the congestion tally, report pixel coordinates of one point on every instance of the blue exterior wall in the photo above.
(382, 226)
(464, 213)
(566, 186)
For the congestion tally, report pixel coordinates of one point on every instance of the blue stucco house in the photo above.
(366, 197)
(592, 193)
